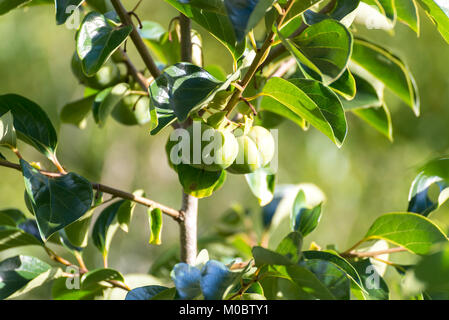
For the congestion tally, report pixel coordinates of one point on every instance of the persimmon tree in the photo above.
(293, 60)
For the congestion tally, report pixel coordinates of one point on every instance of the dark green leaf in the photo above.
(245, 14)
(76, 112)
(17, 271)
(13, 237)
(407, 12)
(309, 282)
(57, 202)
(65, 8)
(199, 183)
(97, 40)
(94, 277)
(8, 5)
(31, 123)
(375, 286)
(388, 69)
(264, 256)
(290, 246)
(106, 225)
(331, 276)
(145, 293)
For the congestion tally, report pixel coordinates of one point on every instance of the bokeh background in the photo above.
(367, 177)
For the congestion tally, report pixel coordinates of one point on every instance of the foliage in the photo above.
(254, 255)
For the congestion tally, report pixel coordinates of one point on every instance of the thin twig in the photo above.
(137, 40)
(357, 254)
(175, 214)
(257, 62)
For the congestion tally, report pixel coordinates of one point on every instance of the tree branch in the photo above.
(136, 74)
(356, 254)
(137, 40)
(257, 62)
(189, 211)
(175, 214)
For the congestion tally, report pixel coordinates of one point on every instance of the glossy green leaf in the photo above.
(13, 237)
(345, 85)
(313, 102)
(377, 117)
(57, 202)
(200, 183)
(94, 277)
(15, 215)
(207, 5)
(77, 233)
(246, 14)
(109, 102)
(262, 183)
(17, 271)
(31, 123)
(77, 111)
(303, 218)
(308, 281)
(182, 88)
(217, 24)
(65, 8)
(106, 225)
(407, 12)
(126, 210)
(42, 279)
(409, 230)
(388, 69)
(342, 9)
(438, 11)
(8, 5)
(156, 221)
(145, 293)
(269, 104)
(290, 246)
(330, 276)
(7, 131)
(367, 95)
(338, 261)
(264, 256)
(374, 285)
(323, 49)
(97, 40)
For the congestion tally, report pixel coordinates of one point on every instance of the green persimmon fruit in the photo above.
(108, 75)
(264, 142)
(132, 110)
(256, 150)
(207, 148)
(219, 148)
(248, 158)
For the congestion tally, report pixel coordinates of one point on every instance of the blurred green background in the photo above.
(367, 177)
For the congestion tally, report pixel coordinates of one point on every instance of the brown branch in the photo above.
(53, 256)
(136, 74)
(357, 254)
(186, 39)
(284, 68)
(175, 214)
(125, 18)
(189, 211)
